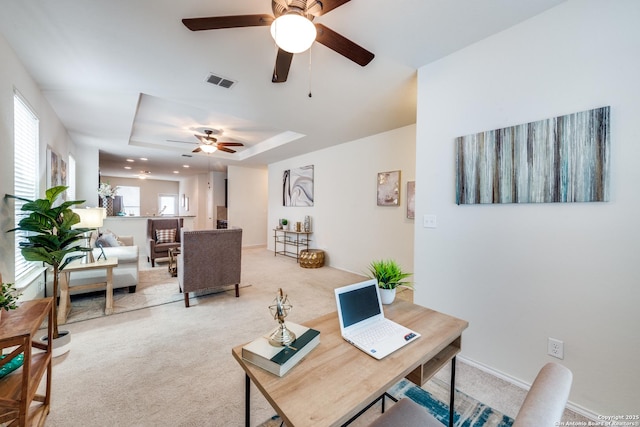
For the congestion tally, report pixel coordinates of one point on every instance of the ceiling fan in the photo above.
(292, 29)
(210, 144)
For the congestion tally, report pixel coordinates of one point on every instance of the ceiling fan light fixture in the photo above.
(293, 32)
(208, 148)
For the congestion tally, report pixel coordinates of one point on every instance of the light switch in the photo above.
(430, 221)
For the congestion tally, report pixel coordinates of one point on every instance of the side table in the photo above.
(173, 261)
(65, 276)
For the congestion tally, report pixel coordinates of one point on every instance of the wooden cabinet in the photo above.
(19, 403)
(291, 242)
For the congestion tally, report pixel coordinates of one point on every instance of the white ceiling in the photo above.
(128, 76)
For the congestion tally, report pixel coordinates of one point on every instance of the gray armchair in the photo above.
(159, 248)
(209, 259)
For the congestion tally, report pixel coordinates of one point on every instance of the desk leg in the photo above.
(453, 391)
(247, 400)
(108, 309)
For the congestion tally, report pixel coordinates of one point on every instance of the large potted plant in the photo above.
(389, 276)
(50, 238)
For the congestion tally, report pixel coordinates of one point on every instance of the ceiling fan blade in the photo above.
(343, 46)
(329, 5)
(281, 69)
(203, 139)
(228, 150)
(229, 144)
(197, 150)
(220, 22)
(182, 142)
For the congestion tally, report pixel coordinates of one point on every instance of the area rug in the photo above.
(155, 287)
(432, 396)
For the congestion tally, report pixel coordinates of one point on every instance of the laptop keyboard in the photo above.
(377, 333)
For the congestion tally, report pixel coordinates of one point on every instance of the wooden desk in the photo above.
(65, 299)
(336, 381)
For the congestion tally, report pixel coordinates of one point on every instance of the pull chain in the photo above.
(310, 72)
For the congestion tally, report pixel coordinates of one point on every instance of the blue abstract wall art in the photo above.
(563, 159)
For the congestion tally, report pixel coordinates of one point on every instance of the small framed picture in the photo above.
(389, 188)
(411, 199)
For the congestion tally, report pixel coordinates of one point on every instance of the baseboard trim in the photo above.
(521, 384)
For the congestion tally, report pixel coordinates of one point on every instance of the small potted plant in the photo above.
(389, 276)
(285, 224)
(8, 297)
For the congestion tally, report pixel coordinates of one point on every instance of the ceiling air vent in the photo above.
(219, 81)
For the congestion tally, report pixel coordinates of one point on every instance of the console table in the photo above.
(292, 242)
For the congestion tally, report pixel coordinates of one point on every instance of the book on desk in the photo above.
(279, 360)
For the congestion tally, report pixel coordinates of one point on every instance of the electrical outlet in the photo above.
(555, 348)
(430, 221)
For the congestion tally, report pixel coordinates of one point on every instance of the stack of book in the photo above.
(279, 360)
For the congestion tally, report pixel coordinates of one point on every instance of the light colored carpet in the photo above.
(168, 365)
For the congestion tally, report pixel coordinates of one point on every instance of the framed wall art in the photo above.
(389, 188)
(411, 199)
(53, 174)
(562, 159)
(297, 186)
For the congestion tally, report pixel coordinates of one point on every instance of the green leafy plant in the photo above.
(49, 237)
(8, 296)
(285, 221)
(389, 274)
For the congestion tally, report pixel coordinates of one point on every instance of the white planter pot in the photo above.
(61, 345)
(387, 295)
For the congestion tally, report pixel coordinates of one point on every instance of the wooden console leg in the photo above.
(237, 290)
(186, 299)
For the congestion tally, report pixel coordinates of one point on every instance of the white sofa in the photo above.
(125, 275)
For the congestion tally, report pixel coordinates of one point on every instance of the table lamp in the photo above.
(89, 218)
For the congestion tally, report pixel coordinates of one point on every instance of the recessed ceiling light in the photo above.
(127, 167)
(185, 166)
(143, 159)
(176, 171)
(130, 160)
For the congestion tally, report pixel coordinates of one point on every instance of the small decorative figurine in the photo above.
(279, 310)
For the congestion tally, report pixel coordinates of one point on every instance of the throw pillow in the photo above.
(166, 236)
(108, 240)
(11, 365)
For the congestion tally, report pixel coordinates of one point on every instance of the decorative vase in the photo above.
(387, 295)
(307, 223)
(107, 203)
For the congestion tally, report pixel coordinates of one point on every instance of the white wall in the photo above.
(52, 133)
(522, 273)
(247, 203)
(345, 219)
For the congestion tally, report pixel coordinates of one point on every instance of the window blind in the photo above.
(26, 141)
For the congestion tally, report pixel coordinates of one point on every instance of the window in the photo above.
(168, 204)
(25, 158)
(130, 199)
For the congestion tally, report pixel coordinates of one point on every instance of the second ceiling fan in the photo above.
(209, 144)
(294, 13)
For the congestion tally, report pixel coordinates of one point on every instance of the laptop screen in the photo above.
(359, 304)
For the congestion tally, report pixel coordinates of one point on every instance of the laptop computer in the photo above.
(362, 321)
